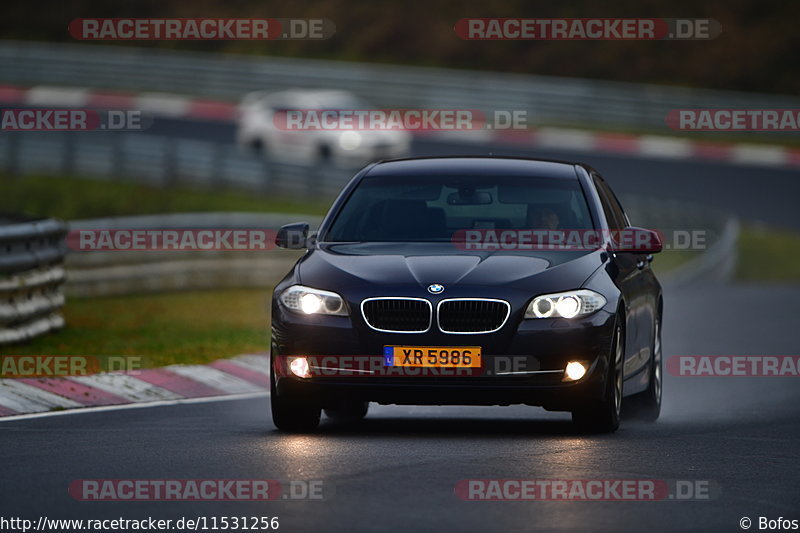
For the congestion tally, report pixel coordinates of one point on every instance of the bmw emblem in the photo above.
(436, 288)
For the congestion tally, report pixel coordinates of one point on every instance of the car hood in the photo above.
(408, 267)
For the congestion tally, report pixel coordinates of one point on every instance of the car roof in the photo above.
(474, 166)
(310, 95)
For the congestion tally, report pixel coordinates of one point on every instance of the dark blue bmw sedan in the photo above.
(473, 281)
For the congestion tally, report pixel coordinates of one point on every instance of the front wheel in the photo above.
(324, 154)
(646, 405)
(603, 417)
(289, 416)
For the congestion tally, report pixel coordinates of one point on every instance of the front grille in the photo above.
(472, 315)
(407, 315)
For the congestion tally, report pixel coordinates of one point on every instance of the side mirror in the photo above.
(637, 240)
(293, 236)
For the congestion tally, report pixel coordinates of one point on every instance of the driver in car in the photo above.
(543, 218)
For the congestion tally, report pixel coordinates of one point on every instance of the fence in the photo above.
(715, 261)
(31, 255)
(101, 273)
(548, 100)
(162, 161)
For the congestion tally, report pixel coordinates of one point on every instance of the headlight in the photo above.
(310, 301)
(565, 304)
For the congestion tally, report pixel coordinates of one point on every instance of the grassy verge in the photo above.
(768, 254)
(671, 259)
(185, 327)
(71, 198)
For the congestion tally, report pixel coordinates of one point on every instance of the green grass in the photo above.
(668, 260)
(72, 198)
(181, 327)
(768, 254)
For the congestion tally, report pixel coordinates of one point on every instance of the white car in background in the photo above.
(258, 130)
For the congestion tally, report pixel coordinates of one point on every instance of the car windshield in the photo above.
(440, 208)
(332, 102)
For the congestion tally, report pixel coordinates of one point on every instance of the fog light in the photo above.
(574, 371)
(299, 367)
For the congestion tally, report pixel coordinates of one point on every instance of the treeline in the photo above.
(757, 50)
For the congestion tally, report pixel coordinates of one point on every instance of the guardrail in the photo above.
(31, 274)
(548, 100)
(163, 161)
(718, 232)
(103, 273)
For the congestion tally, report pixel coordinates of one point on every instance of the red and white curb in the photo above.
(653, 146)
(244, 375)
(158, 104)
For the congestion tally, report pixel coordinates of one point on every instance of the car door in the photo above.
(629, 267)
(646, 311)
(284, 143)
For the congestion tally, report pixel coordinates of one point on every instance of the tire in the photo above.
(257, 146)
(646, 405)
(603, 417)
(288, 417)
(348, 412)
(324, 154)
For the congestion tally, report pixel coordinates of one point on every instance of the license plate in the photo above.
(433, 356)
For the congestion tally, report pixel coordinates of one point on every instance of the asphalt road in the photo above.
(397, 471)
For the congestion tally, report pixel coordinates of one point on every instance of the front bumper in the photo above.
(523, 363)
(329, 392)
